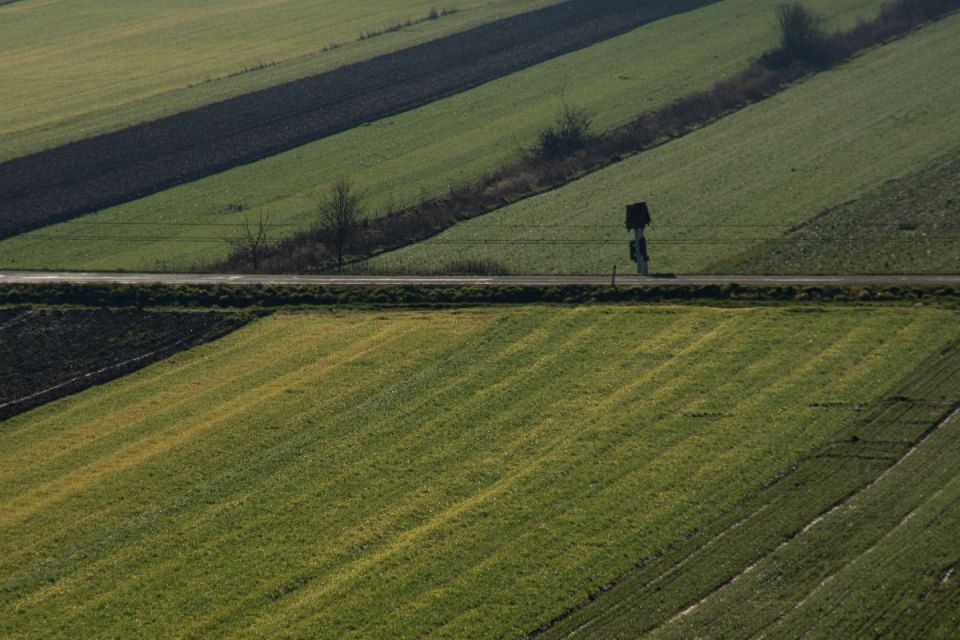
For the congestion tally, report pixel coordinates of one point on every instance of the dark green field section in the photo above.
(907, 225)
(48, 354)
(857, 540)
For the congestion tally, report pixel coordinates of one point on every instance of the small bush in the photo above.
(569, 134)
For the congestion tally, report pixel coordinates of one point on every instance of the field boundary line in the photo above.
(906, 518)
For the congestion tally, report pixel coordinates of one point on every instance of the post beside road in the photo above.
(638, 217)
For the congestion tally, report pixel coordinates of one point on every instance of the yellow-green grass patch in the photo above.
(396, 474)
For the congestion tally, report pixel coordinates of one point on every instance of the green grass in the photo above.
(854, 541)
(909, 225)
(401, 474)
(77, 68)
(874, 568)
(426, 150)
(739, 182)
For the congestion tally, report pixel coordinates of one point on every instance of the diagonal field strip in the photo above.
(426, 150)
(749, 588)
(133, 455)
(621, 500)
(791, 158)
(100, 68)
(468, 475)
(374, 528)
(798, 375)
(600, 409)
(145, 402)
(408, 538)
(871, 516)
(213, 542)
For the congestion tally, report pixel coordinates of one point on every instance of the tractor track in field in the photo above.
(92, 174)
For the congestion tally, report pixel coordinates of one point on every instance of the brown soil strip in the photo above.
(51, 354)
(62, 183)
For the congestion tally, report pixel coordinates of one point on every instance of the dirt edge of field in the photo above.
(51, 361)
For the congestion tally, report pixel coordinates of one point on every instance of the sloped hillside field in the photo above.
(853, 541)
(404, 474)
(48, 354)
(398, 159)
(98, 172)
(739, 182)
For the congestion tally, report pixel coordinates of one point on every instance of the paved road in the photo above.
(24, 277)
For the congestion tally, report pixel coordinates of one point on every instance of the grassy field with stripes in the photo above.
(399, 160)
(80, 68)
(462, 473)
(854, 540)
(741, 181)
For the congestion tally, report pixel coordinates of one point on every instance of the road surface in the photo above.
(32, 277)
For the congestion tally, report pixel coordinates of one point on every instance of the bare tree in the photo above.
(253, 240)
(340, 211)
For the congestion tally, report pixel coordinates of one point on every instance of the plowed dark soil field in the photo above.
(92, 174)
(46, 355)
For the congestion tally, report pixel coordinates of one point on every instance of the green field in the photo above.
(883, 565)
(739, 182)
(77, 68)
(854, 541)
(400, 474)
(424, 151)
(910, 225)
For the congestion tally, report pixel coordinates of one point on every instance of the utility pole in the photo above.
(638, 218)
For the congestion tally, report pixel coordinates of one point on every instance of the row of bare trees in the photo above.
(338, 218)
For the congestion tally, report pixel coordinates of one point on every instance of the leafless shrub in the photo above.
(570, 133)
(252, 241)
(802, 36)
(338, 218)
